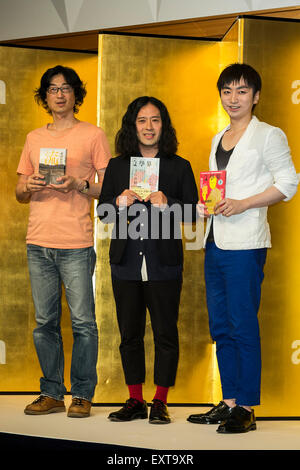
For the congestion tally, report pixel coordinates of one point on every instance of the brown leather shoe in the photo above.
(44, 405)
(79, 408)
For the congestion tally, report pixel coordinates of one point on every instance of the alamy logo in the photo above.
(296, 94)
(295, 358)
(2, 92)
(165, 223)
(2, 353)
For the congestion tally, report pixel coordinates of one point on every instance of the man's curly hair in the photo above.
(71, 78)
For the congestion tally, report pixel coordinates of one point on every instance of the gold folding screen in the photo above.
(183, 74)
(273, 47)
(20, 72)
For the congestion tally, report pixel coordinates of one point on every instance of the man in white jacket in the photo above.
(259, 173)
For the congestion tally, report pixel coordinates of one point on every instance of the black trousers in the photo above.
(162, 300)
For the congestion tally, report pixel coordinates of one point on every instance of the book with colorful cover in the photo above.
(52, 164)
(144, 175)
(212, 188)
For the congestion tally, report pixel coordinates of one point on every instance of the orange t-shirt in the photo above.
(63, 220)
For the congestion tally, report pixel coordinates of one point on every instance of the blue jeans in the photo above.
(233, 290)
(48, 269)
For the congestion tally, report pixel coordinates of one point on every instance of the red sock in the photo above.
(136, 391)
(161, 394)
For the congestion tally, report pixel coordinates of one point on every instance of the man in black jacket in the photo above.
(146, 253)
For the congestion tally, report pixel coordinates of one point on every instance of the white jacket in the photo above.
(260, 159)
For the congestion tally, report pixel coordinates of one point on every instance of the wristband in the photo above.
(85, 188)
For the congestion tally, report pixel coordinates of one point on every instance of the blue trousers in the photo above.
(49, 268)
(233, 289)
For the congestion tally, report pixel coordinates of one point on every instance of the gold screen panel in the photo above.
(130, 67)
(20, 71)
(273, 47)
(183, 75)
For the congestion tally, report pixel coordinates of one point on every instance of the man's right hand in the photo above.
(27, 185)
(34, 183)
(127, 198)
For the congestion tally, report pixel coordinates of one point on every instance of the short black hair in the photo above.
(233, 74)
(71, 78)
(126, 142)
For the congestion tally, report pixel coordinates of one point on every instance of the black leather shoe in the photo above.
(133, 409)
(159, 413)
(216, 415)
(240, 420)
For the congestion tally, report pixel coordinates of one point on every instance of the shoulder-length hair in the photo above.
(71, 78)
(126, 142)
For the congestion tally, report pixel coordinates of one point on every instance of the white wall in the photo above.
(30, 18)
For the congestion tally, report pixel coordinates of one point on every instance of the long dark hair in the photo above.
(126, 142)
(71, 78)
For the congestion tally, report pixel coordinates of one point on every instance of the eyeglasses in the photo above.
(53, 90)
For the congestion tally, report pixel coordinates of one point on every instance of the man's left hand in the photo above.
(67, 184)
(229, 207)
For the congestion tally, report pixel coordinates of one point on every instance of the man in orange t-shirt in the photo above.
(60, 238)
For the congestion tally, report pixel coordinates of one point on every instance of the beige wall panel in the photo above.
(20, 71)
(273, 48)
(183, 75)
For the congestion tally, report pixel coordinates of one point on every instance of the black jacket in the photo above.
(176, 181)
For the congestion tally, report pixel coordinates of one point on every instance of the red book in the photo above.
(212, 188)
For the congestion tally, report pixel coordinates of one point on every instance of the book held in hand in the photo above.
(144, 175)
(212, 188)
(52, 164)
